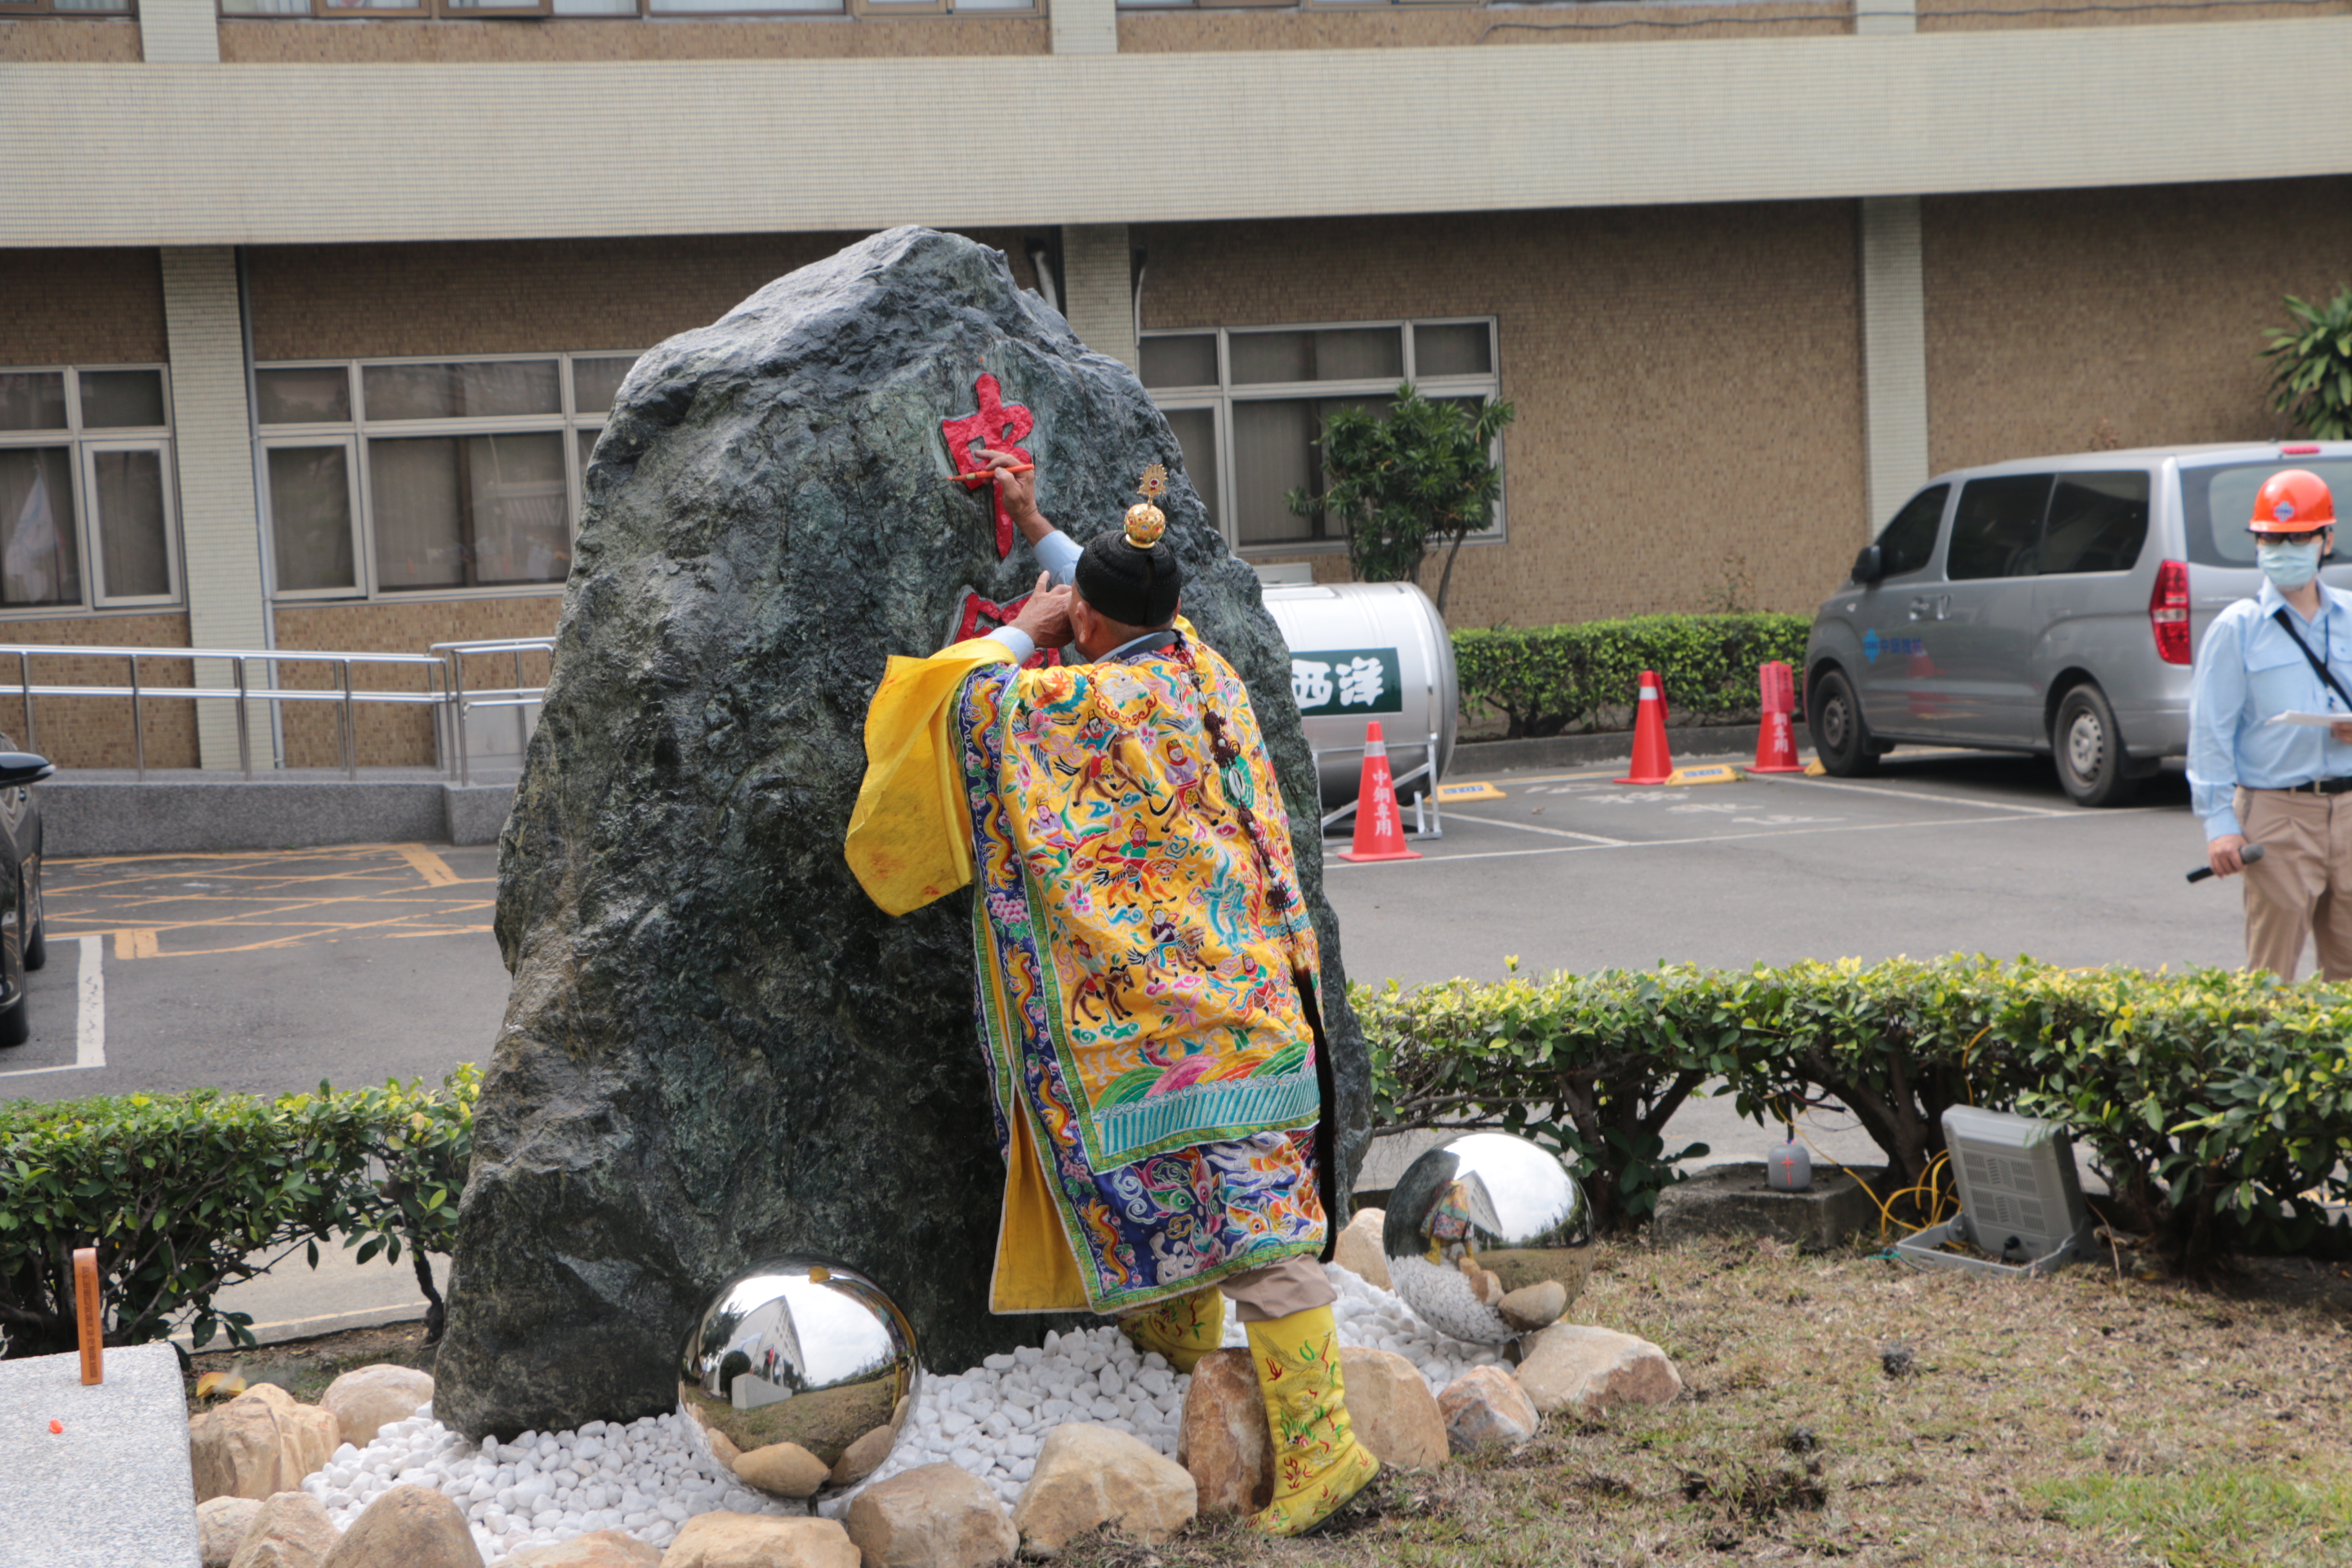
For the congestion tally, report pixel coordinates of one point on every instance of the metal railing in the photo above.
(462, 703)
(241, 690)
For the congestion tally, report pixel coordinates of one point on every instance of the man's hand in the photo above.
(1020, 493)
(1046, 615)
(2342, 730)
(2222, 854)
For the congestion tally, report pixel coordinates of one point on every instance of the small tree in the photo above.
(2313, 384)
(1401, 484)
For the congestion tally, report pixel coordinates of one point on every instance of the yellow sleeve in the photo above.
(909, 838)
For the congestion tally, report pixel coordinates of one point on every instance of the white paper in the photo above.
(2309, 719)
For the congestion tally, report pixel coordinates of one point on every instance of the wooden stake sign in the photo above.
(86, 1316)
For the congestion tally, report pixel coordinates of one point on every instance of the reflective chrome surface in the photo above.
(799, 1376)
(1475, 1229)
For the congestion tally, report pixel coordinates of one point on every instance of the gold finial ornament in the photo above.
(1145, 522)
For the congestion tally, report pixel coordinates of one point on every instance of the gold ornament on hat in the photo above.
(1145, 522)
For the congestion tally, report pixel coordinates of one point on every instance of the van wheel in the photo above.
(2089, 749)
(16, 1023)
(1841, 738)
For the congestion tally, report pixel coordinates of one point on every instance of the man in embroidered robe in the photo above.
(1146, 971)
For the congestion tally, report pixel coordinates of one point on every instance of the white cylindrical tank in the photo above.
(1360, 651)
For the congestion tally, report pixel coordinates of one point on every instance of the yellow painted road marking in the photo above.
(1482, 791)
(139, 944)
(429, 866)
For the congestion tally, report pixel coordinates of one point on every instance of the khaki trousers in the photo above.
(1293, 1285)
(2302, 886)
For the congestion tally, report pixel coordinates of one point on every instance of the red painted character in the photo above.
(996, 425)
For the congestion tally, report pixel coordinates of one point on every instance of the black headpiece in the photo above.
(1127, 575)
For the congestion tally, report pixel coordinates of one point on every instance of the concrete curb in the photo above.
(1606, 746)
(86, 812)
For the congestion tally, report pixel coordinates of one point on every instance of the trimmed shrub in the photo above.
(1550, 680)
(2216, 1104)
(179, 1192)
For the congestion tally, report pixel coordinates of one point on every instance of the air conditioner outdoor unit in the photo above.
(2020, 1201)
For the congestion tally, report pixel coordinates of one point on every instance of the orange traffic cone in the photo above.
(1652, 765)
(1380, 835)
(1775, 749)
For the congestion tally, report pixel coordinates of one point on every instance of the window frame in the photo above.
(1224, 395)
(357, 431)
(80, 439)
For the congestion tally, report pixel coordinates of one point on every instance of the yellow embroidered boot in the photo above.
(1317, 1463)
(1182, 1330)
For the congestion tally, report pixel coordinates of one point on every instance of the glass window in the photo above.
(1335, 353)
(464, 511)
(1998, 531)
(1453, 348)
(1189, 361)
(39, 563)
(2097, 522)
(1196, 436)
(310, 517)
(1907, 542)
(130, 510)
(690, 7)
(33, 400)
(496, 389)
(597, 381)
(2218, 502)
(303, 394)
(122, 399)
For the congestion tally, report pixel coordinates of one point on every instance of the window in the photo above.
(1908, 543)
(400, 477)
(2217, 502)
(2097, 522)
(66, 7)
(88, 495)
(1248, 405)
(1998, 532)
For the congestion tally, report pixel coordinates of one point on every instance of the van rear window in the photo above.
(2216, 504)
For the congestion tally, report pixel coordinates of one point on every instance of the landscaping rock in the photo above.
(864, 1457)
(221, 1526)
(1533, 1307)
(1359, 1249)
(603, 1548)
(1394, 1414)
(716, 1047)
(786, 1470)
(373, 1398)
(259, 1444)
(935, 1516)
(760, 1540)
(1222, 1441)
(1586, 1371)
(1486, 1405)
(289, 1530)
(407, 1527)
(1089, 1476)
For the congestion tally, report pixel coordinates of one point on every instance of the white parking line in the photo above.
(90, 1013)
(1913, 794)
(1531, 827)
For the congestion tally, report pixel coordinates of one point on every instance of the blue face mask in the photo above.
(2288, 565)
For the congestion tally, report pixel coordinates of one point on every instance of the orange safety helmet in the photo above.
(2292, 501)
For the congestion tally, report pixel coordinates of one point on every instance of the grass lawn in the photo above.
(2088, 1419)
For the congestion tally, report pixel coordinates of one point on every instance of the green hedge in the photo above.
(178, 1191)
(1548, 680)
(2218, 1103)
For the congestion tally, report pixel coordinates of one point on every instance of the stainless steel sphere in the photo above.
(1487, 1238)
(799, 1376)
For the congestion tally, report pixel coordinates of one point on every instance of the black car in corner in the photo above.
(23, 944)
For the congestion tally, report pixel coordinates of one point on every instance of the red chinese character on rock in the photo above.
(995, 427)
(981, 616)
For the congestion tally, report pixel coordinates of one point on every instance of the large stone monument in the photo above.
(716, 1048)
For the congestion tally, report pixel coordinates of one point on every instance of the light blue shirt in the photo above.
(2248, 670)
(1058, 554)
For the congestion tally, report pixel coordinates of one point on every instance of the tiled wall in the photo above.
(80, 307)
(1687, 381)
(396, 733)
(1431, 27)
(68, 39)
(95, 731)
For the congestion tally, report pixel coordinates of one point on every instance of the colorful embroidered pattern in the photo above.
(1134, 974)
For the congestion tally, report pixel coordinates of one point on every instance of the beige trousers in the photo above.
(1293, 1285)
(2302, 886)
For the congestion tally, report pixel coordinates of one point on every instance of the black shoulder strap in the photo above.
(2318, 664)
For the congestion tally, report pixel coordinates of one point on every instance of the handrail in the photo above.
(461, 703)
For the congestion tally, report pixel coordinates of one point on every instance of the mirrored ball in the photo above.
(1488, 1237)
(798, 1377)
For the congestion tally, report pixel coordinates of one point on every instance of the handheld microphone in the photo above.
(2250, 854)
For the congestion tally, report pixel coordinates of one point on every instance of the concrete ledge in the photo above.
(113, 1489)
(1711, 740)
(1732, 1200)
(89, 812)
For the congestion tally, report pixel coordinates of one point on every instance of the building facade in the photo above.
(311, 312)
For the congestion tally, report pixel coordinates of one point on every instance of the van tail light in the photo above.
(2168, 612)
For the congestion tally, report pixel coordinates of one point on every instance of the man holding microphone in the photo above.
(2284, 788)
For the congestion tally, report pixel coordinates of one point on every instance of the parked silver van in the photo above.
(2048, 606)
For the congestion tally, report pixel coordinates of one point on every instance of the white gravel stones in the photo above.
(642, 1478)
